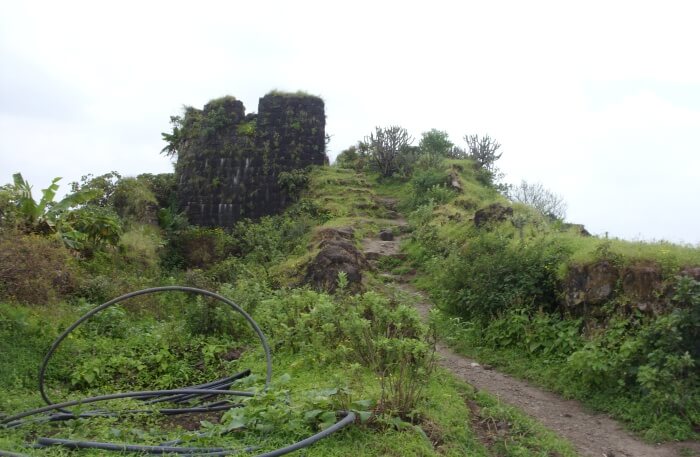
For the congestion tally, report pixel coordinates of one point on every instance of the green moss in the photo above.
(221, 101)
(247, 128)
(296, 94)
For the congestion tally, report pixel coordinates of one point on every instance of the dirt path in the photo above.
(592, 434)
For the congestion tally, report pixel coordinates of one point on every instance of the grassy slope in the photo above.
(444, 427)
(448, 228)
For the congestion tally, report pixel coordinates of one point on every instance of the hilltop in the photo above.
(335, 274)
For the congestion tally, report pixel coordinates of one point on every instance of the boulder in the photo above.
(495, 212)
(337, 253)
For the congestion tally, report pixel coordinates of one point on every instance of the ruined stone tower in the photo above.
(229, 162)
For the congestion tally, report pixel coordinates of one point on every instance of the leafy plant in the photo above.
(91, 228)
(46, 215)
(293, 182)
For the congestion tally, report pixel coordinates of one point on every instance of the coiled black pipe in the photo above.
(152, 290)
(348, 418)
(200, 392)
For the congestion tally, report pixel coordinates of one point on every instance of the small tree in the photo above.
(434, 146)
(484, 152)
(388, 149)
(104, 185)
(540, 198)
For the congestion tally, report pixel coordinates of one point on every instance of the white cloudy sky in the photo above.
(599, 101)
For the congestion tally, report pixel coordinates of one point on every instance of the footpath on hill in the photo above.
(592, 434)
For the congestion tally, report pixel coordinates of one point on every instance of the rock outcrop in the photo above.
(643, 285)
(590, 284)
(337, 254)
(495, 212)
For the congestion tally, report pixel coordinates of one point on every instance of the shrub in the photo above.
(434, 146)
(133, 199)
(140, 248)
(492, 273)
(200, 247)
(163, 187)
(293, 182)
(34, 269)
(351, 158)
(542, 199)
(92, 228)
(384, 335)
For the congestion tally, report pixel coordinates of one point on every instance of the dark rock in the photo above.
(374, 255)
(346, 233)
(392, 215)
(386, 235)
(336, 254)
(590, 284)
(578, 228)
(495, 212)
(644, 286)
(693, 272)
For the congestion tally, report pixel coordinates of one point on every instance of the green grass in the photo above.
(668, 255)
(441, 428)
(441, 424)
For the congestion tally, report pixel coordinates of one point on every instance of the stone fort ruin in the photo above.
(229, 162)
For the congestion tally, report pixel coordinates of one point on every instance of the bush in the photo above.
(493, 273)
(133, 200)
(434, 146)
(351, 158)
(34, 269)
(543, 200)
(200, 247)
(389, 151)
(385, 336)
(92, 228)
(293, 182)
(163, 187)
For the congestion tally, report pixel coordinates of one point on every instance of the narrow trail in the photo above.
(592, 434)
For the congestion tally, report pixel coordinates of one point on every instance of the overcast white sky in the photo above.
(599, 101)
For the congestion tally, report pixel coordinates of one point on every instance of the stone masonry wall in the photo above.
(229, 162)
